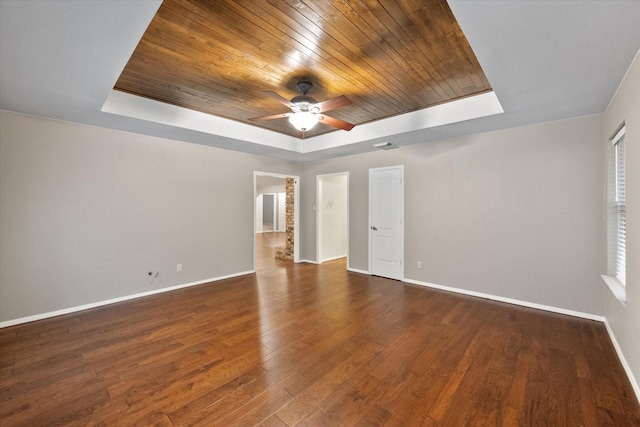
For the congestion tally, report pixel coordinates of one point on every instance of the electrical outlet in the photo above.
(179, 267)
(419, 264)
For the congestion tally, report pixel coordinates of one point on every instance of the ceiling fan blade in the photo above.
(271, 117)
(280, 99)
(333, 103)
(336, 123)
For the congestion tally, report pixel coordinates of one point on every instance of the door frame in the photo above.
(369, 231)
(319, 213)
(296, 212)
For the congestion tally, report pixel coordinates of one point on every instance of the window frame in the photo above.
(616, 217)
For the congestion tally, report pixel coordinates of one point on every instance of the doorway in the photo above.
(276, 212)
(386, 222)
(332, 217)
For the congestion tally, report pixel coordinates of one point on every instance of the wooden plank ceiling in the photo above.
(389, 57)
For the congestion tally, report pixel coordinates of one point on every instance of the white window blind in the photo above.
(620, 206)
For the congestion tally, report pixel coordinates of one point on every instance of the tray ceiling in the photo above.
(546, 61)
(388, 57)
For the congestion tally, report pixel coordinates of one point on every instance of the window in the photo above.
(616, 230)
(620, 204)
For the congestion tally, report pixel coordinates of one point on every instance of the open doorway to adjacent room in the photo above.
(276, 213)
(332, 217)
(268, 213)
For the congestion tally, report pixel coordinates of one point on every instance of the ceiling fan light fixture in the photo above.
(304, 121)
(306, 112)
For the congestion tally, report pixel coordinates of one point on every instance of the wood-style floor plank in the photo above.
(308, 345)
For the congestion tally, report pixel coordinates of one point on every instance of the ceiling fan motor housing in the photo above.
(303, 103)
(304, 87)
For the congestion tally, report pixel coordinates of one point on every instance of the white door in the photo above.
(386, 222)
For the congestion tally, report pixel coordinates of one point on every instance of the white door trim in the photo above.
(401, 246)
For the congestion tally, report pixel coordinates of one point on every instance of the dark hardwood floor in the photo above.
(311, 345)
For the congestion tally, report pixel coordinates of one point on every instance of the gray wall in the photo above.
(515, 213)
(85, 212)
(357, 166)
(624, 320)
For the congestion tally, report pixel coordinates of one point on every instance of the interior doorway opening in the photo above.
(276, 216)
(332, 217)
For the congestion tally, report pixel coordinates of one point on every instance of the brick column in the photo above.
(286, 252)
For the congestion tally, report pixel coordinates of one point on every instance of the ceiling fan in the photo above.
(306, 111)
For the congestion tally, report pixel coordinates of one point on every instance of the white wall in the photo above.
(333, 217)
(624, 320)
(271, 188)
(514, 213)
(85, 212)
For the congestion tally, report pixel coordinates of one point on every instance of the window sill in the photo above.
(616, 288)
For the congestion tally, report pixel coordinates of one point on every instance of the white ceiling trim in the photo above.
(137, 107)
(469, 108)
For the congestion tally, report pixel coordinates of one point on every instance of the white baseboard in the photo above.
(69, 310)
(632, 379)
(355, 270)
(510, 300)
(333, 258)
(309, 261)
(625, 365)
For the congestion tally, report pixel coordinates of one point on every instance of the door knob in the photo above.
(374, 228)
